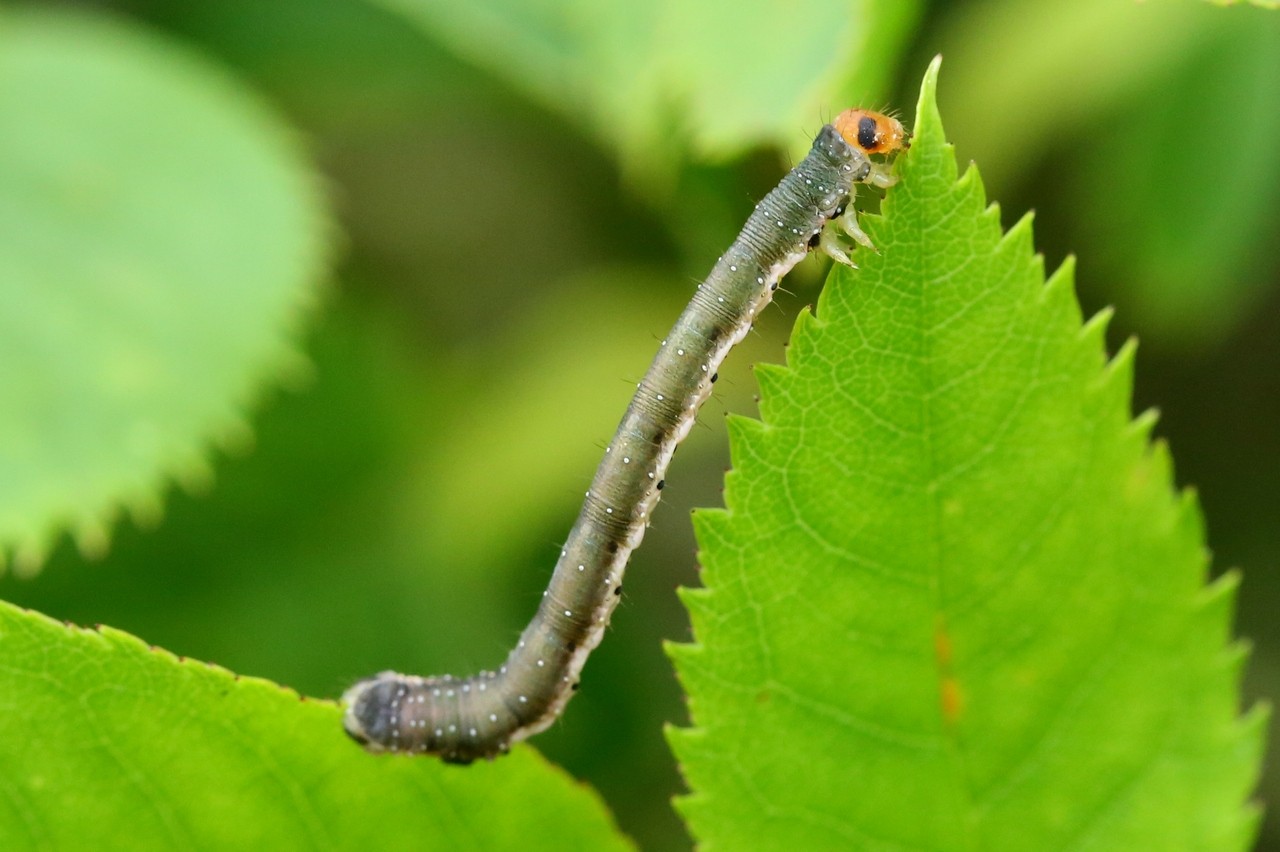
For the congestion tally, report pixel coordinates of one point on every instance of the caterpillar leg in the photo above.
(831, 242)
(881, 175)
(831, 245)
(848, 223)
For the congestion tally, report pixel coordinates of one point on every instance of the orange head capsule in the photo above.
(872, 132)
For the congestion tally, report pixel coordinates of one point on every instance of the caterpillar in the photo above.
(462, 719)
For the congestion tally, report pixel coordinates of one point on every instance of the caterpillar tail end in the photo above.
(392, 713)
(370, 717)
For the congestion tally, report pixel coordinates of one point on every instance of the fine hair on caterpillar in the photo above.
(461, 719)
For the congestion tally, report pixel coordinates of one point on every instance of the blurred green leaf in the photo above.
(1164, 116)
(110, 742)
(1266, 4)
(160, 239)
(735, 74)
(1029, 77)
(1157, 119)
(1193, 185)
(954, 602)
(533, 426)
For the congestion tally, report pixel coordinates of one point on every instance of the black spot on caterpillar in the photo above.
(461, 719)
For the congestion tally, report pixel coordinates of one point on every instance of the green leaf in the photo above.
(736, 75)
(160, 238)
(1108, 51)
(612, 312)
(109, 741)
(1266, 4)
(1182, 245)
(954, 602)
(1194, 259)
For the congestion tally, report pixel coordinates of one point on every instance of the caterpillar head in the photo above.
(872, 132)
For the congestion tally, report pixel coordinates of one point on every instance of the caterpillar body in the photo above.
(461, 719)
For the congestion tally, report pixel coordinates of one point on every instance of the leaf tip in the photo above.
(1096, 325)
(234, 435)
(1144, 423)
(29, 557)
(928, 127)
(679, 652)
(693, 597)
(1063, 278)
(93, 536)
(1120, 368)
(145, 507)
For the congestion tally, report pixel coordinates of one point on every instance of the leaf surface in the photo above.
(107, 741)
(160, 238)
(954, 601)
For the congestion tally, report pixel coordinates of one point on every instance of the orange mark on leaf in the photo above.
(952, 699)
(942, 644)
(950, 696)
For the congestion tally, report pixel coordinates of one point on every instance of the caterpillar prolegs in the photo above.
(461, 719)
